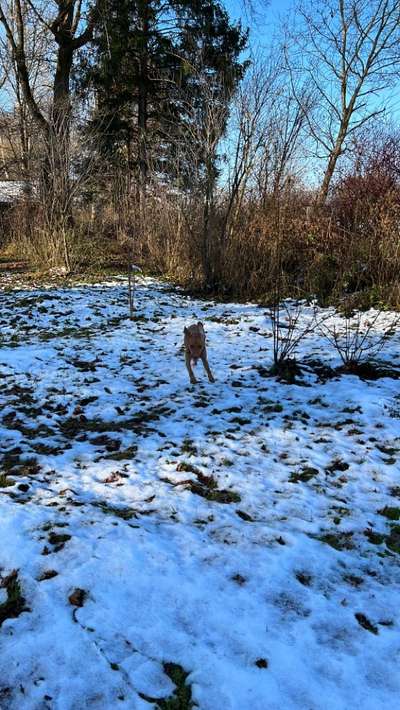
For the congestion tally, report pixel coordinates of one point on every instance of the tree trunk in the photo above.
(332, 161)
(61, 89)
(207, 256)
(143, 102)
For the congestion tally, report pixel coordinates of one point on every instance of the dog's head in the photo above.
(195, 340)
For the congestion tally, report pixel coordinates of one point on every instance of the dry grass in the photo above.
(322, 253)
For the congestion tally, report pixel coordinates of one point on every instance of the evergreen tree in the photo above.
(149, 61)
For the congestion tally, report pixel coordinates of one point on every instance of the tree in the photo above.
(349, 50)
(62, 21)
(146, 74)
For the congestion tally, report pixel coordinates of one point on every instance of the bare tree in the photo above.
(61, 21)
(264, 137)
(197, 144)
(18, 131)
(349, 50)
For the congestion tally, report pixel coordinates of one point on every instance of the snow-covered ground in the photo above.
(243, 532)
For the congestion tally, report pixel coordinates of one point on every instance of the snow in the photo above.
(98, 418)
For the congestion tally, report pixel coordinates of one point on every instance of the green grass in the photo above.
(306, 474)
(15, 602)
(390, 512)
(5, 482)
(339, 541)
(181, 699)
(124, 513)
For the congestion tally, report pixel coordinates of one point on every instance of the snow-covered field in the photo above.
(227, 546)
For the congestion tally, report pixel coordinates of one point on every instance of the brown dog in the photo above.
(195, 349)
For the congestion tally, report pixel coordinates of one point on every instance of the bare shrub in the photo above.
(289, 328)
(359, 336)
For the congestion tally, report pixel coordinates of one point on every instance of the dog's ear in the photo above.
(200, 324)
(185, 330)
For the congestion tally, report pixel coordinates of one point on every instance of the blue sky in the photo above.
(262, 27)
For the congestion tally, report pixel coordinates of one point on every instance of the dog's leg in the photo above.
(189, 368)
(206, 366)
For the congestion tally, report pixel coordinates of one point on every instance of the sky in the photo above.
(262, 26)
(266, 21)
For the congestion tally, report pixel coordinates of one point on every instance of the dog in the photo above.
(195, 349)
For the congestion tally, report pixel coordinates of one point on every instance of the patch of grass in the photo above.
(286, 371)
(304, 578)
(240, 420)
(182, 696)
(393, 539)
(272, 407)
(306, 474)
(10, 458)
(206, 486)
(188, 447)
(73, 426)
(212, 493)
(124, 455)
(245, 516)
(369, 370)
(391, 513)
(15, 602)
(352, 410)
(45, 449)
(181, 699)
(239, 579)
(338, 540)
(58, 538)
(374, 537)
(5, 482)
(186, 467)
(337, 465)
(227, 462)
(388, 450)
(366, 623)
(353, 580)
(124, 513)
(47, 574)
